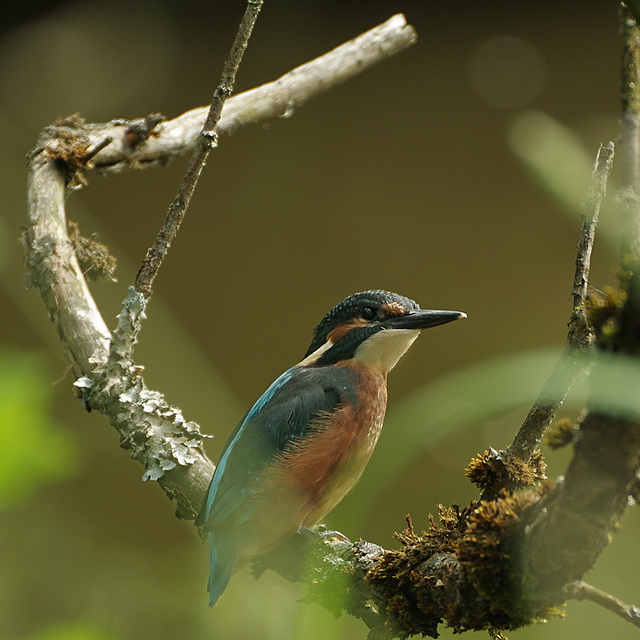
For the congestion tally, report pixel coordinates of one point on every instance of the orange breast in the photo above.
(309, 479)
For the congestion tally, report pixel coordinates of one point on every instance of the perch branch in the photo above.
(205, 142)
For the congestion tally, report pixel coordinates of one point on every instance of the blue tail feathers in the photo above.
(222, 560)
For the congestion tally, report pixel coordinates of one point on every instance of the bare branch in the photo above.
(574, 357)
(580, 590)
(579, 338)
(52, 267)
(280, 98)
(206, 141)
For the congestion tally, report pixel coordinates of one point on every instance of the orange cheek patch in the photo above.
(394, 309)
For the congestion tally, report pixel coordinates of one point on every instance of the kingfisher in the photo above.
(306, 441)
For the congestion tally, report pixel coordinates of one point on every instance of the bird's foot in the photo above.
(324, 533)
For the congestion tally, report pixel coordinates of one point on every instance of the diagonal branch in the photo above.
(153, 140)
(207, 140)
(508, 465)
(580, 590)
(579, 338)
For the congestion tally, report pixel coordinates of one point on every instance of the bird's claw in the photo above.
(324, 533)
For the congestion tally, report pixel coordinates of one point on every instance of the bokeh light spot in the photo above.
(508, 72)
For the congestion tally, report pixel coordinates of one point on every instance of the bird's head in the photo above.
(373, 328)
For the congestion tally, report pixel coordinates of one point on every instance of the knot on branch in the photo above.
(500, 470)
(139, 130)
(68, 143)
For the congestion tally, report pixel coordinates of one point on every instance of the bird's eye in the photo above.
(368, 313)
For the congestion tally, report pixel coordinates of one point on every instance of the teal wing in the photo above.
(282, 413)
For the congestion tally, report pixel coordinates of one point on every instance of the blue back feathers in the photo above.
(282, 414)
(222, 560)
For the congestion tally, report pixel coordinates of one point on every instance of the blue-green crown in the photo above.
(372, 306)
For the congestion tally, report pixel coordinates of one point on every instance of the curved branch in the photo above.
(155, 433)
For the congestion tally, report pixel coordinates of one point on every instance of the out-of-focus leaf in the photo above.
(35, 449)
(77, 630)
(485, 392)
(558, 160)
(616, 386)
(451, 405)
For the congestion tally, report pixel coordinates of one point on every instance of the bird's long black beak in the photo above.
(422, 319)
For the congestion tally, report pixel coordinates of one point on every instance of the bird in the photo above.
(306, 441)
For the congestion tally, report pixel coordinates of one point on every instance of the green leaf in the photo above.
(35, 448)
(76, 630)
(558, 160)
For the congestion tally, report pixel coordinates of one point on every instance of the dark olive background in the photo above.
(402, 178)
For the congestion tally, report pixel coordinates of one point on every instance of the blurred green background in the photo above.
(449, 174)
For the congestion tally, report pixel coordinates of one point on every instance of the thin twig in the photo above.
(580, 334)
(580, 590)
(206, 141)
(579, 337)
(574, 356)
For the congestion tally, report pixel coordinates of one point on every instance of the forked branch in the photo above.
(157, 434)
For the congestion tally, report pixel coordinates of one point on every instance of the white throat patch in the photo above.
(383, 349)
